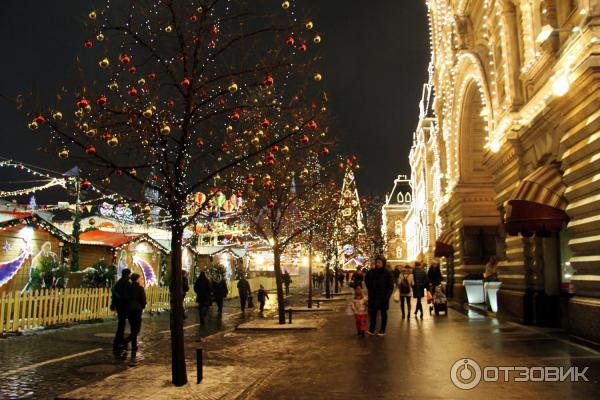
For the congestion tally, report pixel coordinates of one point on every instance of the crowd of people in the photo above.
(401, 284)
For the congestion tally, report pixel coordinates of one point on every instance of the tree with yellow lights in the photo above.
(173, 106)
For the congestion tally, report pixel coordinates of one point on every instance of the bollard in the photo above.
(290, 315)
(199, 374)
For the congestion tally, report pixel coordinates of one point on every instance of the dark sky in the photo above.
(375, 61)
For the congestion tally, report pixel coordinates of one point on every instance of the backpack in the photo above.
(404, 286)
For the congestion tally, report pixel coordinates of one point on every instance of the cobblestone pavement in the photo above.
(36, 365)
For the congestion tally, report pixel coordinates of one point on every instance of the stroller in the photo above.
(438, 301)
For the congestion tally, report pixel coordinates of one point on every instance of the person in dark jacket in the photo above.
(262, 297)
(397, 273)
(136, 302)
(357, 279)
(203, 297)
(434, 275)
(220, 292)
(420, 284)
(119, 304)
(380, 285)
(244, 292)
(287, 281)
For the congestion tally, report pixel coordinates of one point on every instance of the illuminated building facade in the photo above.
(394, 211)
(506, 157)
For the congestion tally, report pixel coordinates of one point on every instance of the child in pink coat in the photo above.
(359, 308)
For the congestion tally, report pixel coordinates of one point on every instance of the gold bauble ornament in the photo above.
(168, 29)
(147, 113)
(142, 81)
(317, 77)
(133, 172)
(285, 149)
(79, 113)
(255, 140)
(106, 180)
(33, 125)
(91, 132)
(92, 221)
(57, 116)
(100, 37)
(285, 5)
(104, 63)
(259, 163)
(317, 39)
(260, 133)
(113, 141)
(229, 129)
(233, 87)
(63, 153)
(113, 86)
(144, 142)
(92, 15)
(309, 25)
(165, 130)
(87, 108)
(200, 9)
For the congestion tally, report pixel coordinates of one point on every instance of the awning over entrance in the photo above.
(538, 206)
(443, 246)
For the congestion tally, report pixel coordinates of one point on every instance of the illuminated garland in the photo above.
(22, 192)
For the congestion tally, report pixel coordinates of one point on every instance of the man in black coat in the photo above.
(380, 285)
(136, 302)
(119, 304)
(244, 292)
(220, 291)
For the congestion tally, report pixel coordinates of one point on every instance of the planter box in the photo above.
(475, 291)
(491, 292)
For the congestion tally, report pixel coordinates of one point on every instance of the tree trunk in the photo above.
(178, 370)
(327, 281)
(310, 287)
(279, 283)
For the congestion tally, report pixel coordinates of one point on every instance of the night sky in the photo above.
(375, 62)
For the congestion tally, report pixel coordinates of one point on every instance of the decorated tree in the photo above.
(290, 196)
(350, 233)
(373, 221)
(185, 94)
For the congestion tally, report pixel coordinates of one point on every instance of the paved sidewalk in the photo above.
(412, 361)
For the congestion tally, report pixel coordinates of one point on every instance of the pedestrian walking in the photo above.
(357, 278)
(396, 273)
(405, 283)
(262, 297)
(219, 292)
(340, 279)
(434, 276)
(203, 296)
(380, 285)
(136, 302)
(420, 284)
(287, 280)
(185, 283)
(321, 280)
(359, 306)
(244, 292)
(119, 304)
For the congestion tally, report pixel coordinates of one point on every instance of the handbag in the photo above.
(396, 296)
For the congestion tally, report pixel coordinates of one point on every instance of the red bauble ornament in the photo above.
(125, 59)
(83, 103)
(101, 100)
(85, 184)
(270, 162)
(170, 103)
(88, 43)
(304, 139)
(132, 69)
(185, 82)
(264, 123)
(221, 102)
(270, 204)
(303, 47)
(154, 177)
(194, 18)
(106, 136)
(40, 119)
(268, 81)
(325, 151)
(235, 116)
(90, 150)
(151, 75)
(312, 125)
(133, 92)
(275, 148)
(214, 30)
(250, 180)
(290, 41)
(119, 172)
(199, 142)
